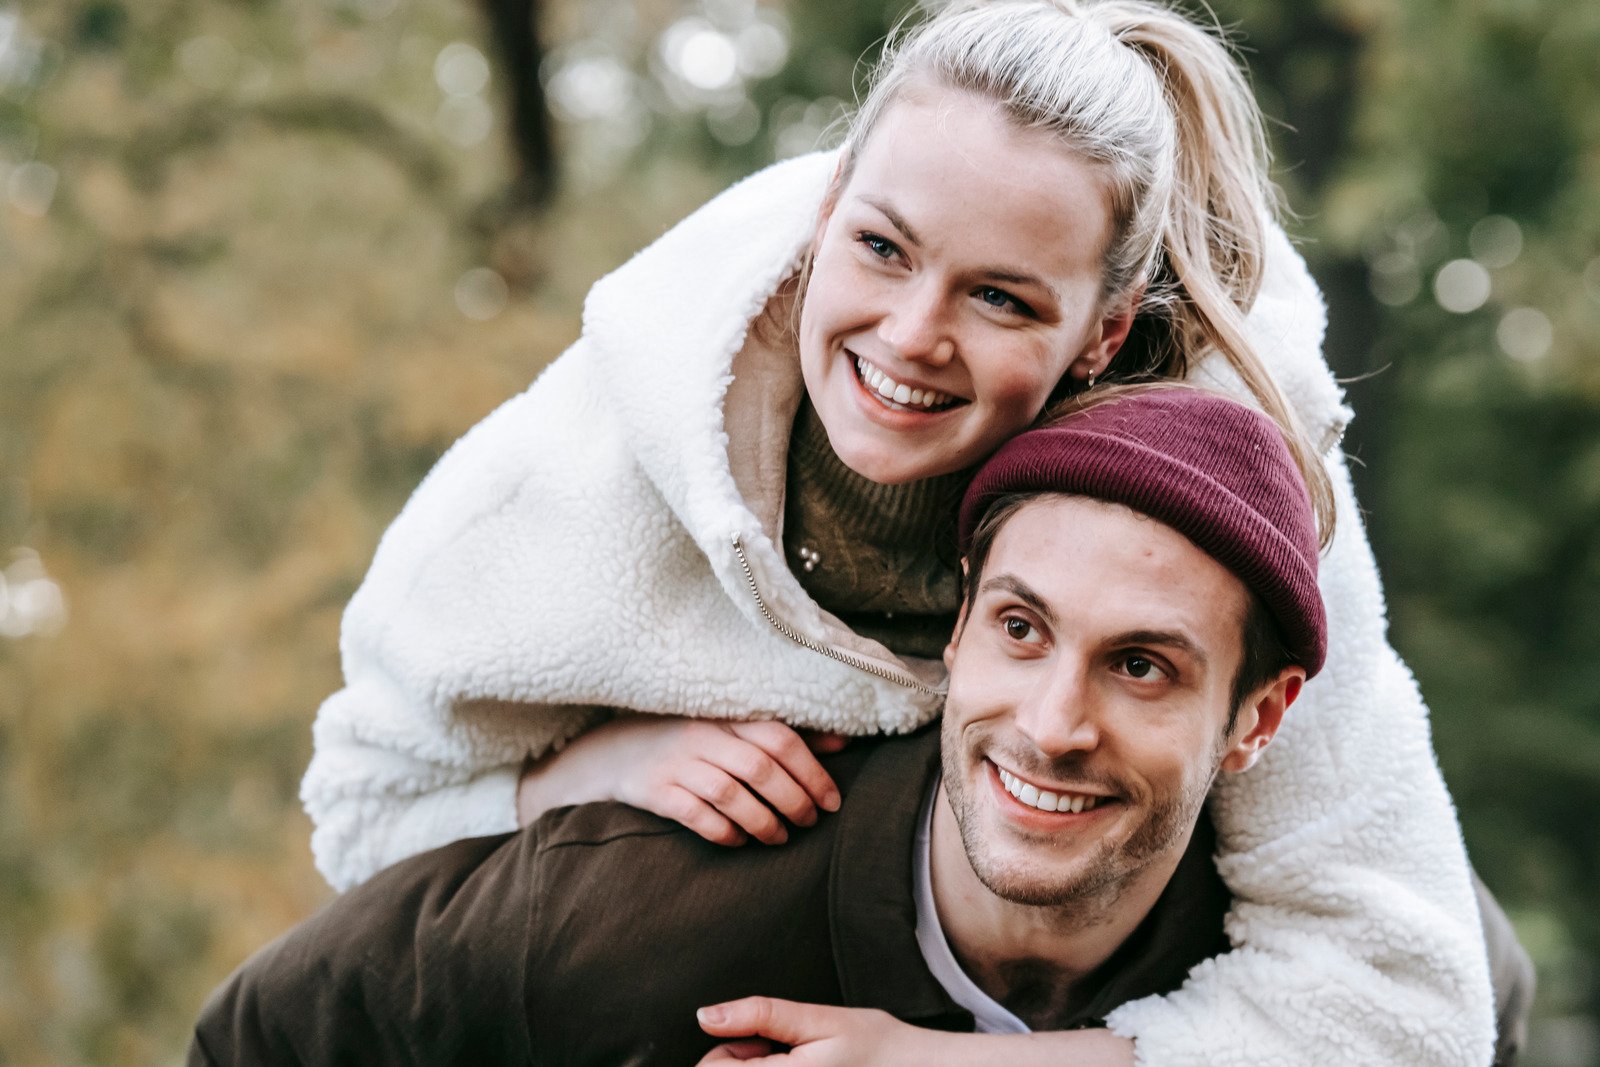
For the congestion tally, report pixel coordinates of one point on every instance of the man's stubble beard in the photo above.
(1102, 875)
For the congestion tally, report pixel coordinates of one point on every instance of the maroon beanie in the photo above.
(1214, 470)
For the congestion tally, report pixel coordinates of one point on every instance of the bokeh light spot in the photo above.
(31, 603)
(481, 294)
(32, 187)
(1525, 334)
(701, 55)
(1394, 279)
(460, 69)
(1496, 241)
(1462, 285)
(590, 87)
(763, 48)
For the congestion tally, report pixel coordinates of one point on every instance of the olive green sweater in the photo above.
(880, 557)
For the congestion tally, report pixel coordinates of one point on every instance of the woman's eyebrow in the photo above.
(1010, 277)
(893, 216)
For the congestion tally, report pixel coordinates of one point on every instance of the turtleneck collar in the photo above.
(880, 557)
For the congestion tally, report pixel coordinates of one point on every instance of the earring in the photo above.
(1088, 383)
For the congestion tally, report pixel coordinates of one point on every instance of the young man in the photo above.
(1141, 609)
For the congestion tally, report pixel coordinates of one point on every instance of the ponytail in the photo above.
(1214, 242)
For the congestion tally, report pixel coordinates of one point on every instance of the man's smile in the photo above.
(1056, 799)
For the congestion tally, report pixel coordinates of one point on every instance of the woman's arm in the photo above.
(391, 776)
(726, 781)
(1356, 932)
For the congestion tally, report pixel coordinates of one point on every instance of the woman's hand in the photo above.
(819, 1035)
(716, 778)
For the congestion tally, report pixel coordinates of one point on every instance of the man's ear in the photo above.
(1259, 718)
(961, 621)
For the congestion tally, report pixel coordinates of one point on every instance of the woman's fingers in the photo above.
(682, 806)
(727, 781)
(823, 742)
(738, 1051)
(789, 750)
(734, 799)
(766, 776)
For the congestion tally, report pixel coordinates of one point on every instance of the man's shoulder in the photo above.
(390, 971)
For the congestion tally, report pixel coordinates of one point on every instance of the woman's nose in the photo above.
(917, 327)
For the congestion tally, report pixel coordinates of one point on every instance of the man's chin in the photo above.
(1045, 885)
(1037, 866)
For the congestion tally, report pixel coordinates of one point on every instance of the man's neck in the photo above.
(1030, 958)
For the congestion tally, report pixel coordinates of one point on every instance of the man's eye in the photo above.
(1019, 629)
(1142, 668)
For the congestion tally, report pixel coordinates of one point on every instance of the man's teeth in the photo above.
(899, 392)
(1043, 799)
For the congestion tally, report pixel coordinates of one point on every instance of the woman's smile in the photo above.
(900, 395)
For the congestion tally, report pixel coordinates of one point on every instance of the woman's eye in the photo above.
(881, 247)
(1002, 300)
(1019, 629)
(1142, 668)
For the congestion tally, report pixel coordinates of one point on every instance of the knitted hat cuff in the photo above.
(1215, 471)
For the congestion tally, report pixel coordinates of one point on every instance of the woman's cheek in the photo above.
(1020, 385)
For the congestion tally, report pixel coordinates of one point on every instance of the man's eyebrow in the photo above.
(1162, 639)
(893, 216)
(1022, 591)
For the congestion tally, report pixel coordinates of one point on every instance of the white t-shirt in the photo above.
(989, 1015)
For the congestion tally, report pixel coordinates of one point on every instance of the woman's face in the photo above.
(956, 278)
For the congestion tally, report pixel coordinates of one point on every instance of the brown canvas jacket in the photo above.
(592, 937)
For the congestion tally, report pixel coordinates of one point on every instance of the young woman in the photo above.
(731, 499)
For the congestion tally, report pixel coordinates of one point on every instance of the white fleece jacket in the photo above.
(597, 542)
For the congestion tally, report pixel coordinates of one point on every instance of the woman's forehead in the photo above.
(962, 177)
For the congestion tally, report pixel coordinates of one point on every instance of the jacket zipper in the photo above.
(847, 658)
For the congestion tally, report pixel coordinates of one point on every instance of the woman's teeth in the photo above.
(898, 392)
(1043, 799)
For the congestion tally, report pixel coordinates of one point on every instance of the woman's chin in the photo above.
(887, 464)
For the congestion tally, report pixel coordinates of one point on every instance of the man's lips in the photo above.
(1055, 799)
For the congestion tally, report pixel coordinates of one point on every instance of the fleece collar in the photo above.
(667, 325)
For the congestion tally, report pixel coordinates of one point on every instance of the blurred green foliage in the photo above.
(257, 269)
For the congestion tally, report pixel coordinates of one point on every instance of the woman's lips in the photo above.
(900, 395)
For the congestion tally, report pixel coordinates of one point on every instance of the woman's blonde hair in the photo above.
(1157, 102)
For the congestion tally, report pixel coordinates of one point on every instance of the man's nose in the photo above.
(917, 326)
(1059, 714)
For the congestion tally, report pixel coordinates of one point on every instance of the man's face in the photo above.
(1089, 698)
